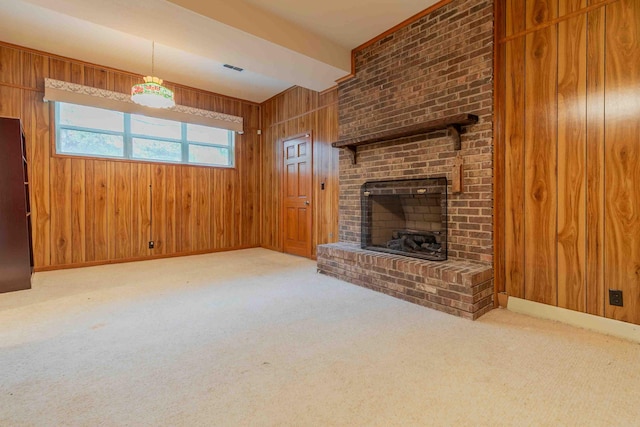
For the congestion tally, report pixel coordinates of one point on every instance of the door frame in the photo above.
(281, 142)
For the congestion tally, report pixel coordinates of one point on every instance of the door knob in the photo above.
(306, 203)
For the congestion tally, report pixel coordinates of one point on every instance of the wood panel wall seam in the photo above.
(582, 161)
(557, 20)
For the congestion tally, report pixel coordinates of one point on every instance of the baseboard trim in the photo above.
(136, 259)
(599, 324)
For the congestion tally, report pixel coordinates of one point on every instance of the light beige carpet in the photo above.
(255, 337)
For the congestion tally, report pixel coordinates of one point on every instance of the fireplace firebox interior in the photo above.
(406, 217)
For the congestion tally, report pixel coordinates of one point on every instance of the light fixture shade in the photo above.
(151, 93)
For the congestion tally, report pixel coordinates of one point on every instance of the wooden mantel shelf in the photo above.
(453, 123)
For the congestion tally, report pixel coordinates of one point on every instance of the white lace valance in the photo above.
(56, 90)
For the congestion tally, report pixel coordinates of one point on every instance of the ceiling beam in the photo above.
(270, 27)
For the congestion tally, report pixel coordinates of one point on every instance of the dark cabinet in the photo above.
(16, 260)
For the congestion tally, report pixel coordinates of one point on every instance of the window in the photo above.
(90, 131)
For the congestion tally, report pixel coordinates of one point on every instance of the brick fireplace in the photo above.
(436, 67)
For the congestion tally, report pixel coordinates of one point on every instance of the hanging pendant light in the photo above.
(151, 93)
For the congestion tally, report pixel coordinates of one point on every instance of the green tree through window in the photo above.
(96, 132)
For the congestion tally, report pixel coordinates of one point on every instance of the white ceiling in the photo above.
(348, 23)
(279, 43)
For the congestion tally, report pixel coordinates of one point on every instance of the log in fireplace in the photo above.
(405, 217)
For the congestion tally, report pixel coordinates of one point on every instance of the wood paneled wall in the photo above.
(88, 211)
(294, 112)
(569, 127)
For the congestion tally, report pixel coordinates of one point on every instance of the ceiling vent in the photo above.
(233, 67)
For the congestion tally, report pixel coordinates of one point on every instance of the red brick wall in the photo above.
(438, 66)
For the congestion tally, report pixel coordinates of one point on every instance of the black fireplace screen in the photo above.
(406, 217)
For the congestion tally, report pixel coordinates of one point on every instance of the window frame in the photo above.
(128, 136)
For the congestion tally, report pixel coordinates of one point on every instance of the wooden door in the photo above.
(297, 196)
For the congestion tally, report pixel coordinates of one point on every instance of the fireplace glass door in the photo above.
(407, 217)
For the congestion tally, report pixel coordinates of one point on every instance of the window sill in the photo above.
(137, 161)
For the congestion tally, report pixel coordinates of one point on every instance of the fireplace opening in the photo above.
(405, 217)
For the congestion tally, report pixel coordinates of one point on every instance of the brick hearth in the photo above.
(455, 287)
